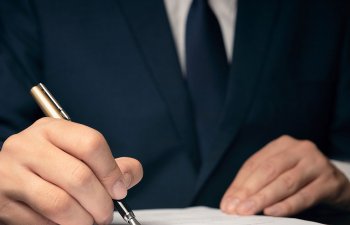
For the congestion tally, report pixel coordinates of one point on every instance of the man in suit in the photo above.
(240, 105)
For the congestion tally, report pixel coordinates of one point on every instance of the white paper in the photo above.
(204, 216)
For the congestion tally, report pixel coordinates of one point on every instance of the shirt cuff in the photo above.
(343, 167)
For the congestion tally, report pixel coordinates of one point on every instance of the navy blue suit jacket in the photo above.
(290, 74)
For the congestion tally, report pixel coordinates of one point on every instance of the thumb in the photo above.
(131, 169)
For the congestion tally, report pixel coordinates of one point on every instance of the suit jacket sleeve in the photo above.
(19, 66)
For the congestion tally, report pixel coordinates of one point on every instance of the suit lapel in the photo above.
(149, 23)
(255, 22)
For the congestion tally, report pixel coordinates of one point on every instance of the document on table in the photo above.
(204, 216)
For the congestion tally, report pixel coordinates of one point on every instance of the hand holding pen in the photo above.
(60, 172)
(51, 108)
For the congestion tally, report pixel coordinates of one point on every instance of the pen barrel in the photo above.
(45, 103)
(48, 103)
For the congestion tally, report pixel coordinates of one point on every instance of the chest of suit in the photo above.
(118, 65)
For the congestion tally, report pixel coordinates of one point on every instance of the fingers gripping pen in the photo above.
(51, 108)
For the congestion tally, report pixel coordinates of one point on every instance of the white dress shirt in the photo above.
(226, 13)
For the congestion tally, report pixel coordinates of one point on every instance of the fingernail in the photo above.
(231, 204)
(127, 179)
(246, 207)
(119, 190)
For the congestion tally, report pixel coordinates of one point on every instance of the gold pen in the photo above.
(51, 108)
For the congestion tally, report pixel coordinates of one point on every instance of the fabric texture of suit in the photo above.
(290, 74)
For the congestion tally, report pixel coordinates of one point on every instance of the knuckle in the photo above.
(307, 145)
(91, 142)
(269, 169)
(81, 176)
(45, 126)
(288, 183)
(59, 204)
(43, 122)
(11, 142)
(250, 165)
(285, 137)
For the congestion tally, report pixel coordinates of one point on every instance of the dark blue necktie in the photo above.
(206, 69)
